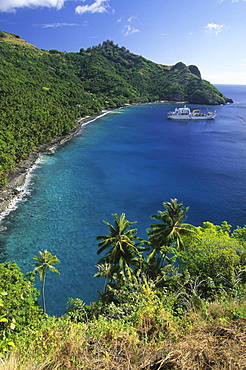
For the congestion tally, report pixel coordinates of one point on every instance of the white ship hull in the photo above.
(185, 114)
(190, 116)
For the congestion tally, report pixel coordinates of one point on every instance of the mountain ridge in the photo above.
(44, 93)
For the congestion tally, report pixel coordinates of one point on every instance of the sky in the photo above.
(210, 34)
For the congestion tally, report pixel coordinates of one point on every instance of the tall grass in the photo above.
(210, 337)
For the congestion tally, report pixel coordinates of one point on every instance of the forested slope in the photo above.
(42, 93)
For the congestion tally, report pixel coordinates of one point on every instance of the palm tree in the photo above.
(168, 233)
(120, 243)
(45, 261)
(171, 228)
(107, 270)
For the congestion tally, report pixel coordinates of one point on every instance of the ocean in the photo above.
(130, 160)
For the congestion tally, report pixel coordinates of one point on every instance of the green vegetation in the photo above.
(19, 306)
(44, 262)
(173, 301)
(123, 250)
(43, 93)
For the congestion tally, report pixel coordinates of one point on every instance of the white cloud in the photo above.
(57, 25)
(214, 28)
(129, 30)
(131, 18)
(99, 6)
(12, 5)
(232, 1)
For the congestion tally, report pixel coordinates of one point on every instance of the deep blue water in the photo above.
(130, 160)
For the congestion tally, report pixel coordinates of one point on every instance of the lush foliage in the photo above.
(43, 93)
(18, 303)
(205, 262)
(161, 295)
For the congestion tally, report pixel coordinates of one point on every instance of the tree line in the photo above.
(43, 93)
(209, 259)
(154, 290)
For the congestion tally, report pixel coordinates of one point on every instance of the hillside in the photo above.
(162, 307)
(112, 70)
(43, 93)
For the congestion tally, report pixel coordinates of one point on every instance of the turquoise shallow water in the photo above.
(130, 160)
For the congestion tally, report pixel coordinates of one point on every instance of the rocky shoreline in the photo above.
(13, 191)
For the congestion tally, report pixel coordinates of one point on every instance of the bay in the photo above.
(129, 160)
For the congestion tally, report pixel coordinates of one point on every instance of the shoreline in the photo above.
(18, 180)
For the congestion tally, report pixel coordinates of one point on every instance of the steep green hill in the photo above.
(42, 93)
(112, 70)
